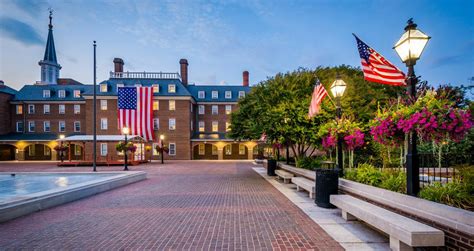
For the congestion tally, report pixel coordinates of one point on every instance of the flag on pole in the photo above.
(376, 68)
(135, 110)
(319, 93)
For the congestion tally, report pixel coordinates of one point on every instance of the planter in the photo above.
(327, 183)
(271, 167)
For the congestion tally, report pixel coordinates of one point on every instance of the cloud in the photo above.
(20, 31)
(32, 7)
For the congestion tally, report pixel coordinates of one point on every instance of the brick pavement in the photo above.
(182, 205)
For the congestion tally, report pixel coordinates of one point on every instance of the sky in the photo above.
(221, 39)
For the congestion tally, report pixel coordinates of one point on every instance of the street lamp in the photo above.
(125, 131)
(61, 137)
(337, 88)
(409, 47)
(162, 138)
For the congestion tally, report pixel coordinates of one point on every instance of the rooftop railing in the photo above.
(148, 75)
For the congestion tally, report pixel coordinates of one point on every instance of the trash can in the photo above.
(327, 183)
(271, 167)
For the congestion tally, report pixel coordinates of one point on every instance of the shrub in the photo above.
(368, 174)
(309, 163)
(394, 181)
(465, 174)
(454, 194)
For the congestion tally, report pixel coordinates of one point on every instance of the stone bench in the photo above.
(286, 176)
(306, 184)
(404, 232)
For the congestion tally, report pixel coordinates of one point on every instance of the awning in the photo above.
(103, 138)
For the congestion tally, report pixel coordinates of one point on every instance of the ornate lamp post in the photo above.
(61, 137)
(162, 138)
(337, 89)
(409, 47)
(125, 132)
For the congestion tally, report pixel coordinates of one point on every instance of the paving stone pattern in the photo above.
(193, 205)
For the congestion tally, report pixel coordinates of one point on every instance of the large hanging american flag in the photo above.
(319, 93)
(135, 110)
(376, 68)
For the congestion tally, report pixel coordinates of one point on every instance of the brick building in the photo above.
(192, 118)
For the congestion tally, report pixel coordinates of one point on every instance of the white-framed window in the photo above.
(19, 109)
(156, 105)
(172, 124)
(241, 149)
(241, 94)
(156, 124)
(215, 126)
(214, 94)
(201, 126)
(201, 94)
(46, 93)
(103, 104)
(227, 126)
(228, 109)
(77, 126)
(31, 126)
(77, 93)
(201, 109)
(228, 94)
(77, 109)
(156, 88)
(62, 93)
(103, 124)
(172, 149)
(62, 109)
(228, 149)
(202, 149)
(77, 150)
(46, 126)
(154, 151)
(214, 150)
(19, 126)
(62, 126)
(31, 109)
(103, 149)
(46, 109)
(119, 86)
(103, 88)
(172, 88)
(46, 150)
(172, 105)
(215, 110)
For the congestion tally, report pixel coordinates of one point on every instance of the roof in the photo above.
(35, 92)
(102, 138)
(29, 137)
(50, 52)
(221, 89)
(7, 90)
(162, 83)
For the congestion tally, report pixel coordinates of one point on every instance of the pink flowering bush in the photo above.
(355, 139)
(348, 130)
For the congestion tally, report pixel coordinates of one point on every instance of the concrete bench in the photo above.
(286, 176)
(304, 183)
(404, 232)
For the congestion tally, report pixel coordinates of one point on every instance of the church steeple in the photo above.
(49, 65)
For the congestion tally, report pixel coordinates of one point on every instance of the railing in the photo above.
(149, 75)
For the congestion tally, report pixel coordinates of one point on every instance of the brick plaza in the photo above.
(182, 205)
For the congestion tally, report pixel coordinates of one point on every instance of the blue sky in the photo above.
(221, 39)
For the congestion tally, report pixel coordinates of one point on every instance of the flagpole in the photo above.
(94, 123)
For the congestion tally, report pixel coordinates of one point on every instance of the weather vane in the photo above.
(50, 17)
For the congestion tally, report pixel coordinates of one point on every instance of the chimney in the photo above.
(245, 76)
(118, 65)
(184, 71)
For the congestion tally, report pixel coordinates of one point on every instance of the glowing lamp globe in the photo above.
(411, 44)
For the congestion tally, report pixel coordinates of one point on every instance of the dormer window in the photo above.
(172, 88)
(215, 95)
(201, 94)
(138, 85)
(62, 93)
(46, 93)
(103, 87)
(77, 93)
(119, 86)
(228, 94)
(156, 88)
(241, 94)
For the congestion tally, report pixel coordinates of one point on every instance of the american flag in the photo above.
(319, 93)
(135, 110)
(376, 68)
